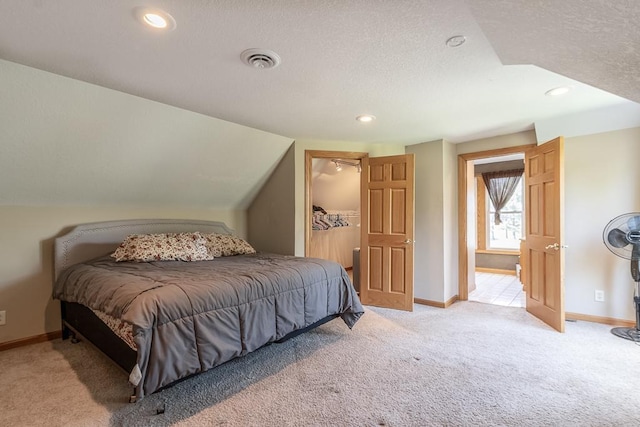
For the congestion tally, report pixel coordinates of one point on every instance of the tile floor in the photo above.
(498, 289)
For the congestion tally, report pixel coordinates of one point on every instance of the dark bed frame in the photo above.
(79, 322)
(88, 241)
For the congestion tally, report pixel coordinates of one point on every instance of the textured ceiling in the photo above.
(596, 42)
(341, 59)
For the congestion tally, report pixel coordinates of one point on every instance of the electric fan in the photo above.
(622, 237)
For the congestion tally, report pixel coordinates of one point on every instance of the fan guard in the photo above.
(622, 235)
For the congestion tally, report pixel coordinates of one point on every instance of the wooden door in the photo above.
(386, 253)
(544, 235)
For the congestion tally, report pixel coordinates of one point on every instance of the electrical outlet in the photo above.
(3, 317)
(599, 296)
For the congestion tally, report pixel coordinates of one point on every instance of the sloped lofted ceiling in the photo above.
(66, 142)
(595, 42)
(96, 108)
(341, 59)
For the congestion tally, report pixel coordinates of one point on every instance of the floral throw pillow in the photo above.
(163, 247)
(227, 245)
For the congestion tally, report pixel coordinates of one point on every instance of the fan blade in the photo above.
(634, 223)
(617, 238)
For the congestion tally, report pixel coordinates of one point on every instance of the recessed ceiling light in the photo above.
(456, 41)
(365, 118)
(558, 91)
(155, 18)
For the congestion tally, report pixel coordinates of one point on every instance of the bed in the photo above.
(163, 321)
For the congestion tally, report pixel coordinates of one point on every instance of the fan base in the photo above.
(631, 334)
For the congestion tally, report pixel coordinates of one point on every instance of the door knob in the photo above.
(554, 246)
(408, 241)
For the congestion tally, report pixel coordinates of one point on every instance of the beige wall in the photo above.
(270, 217)
(602, 181)
(429, 270)
(436, 221)
(26, 256)
(502, 141)
(497, 261)
(450, 207)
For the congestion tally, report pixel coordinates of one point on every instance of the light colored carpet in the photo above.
(469, 365)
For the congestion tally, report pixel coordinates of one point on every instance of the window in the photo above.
(506, 235)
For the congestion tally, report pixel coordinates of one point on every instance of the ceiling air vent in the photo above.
(260, 58)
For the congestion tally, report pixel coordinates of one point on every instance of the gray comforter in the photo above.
(188, 317)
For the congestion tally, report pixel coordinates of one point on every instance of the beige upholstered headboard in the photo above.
(87, 241)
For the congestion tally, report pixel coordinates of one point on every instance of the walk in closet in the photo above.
(335, 223)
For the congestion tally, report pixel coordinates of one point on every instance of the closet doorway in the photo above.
(332, 200)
